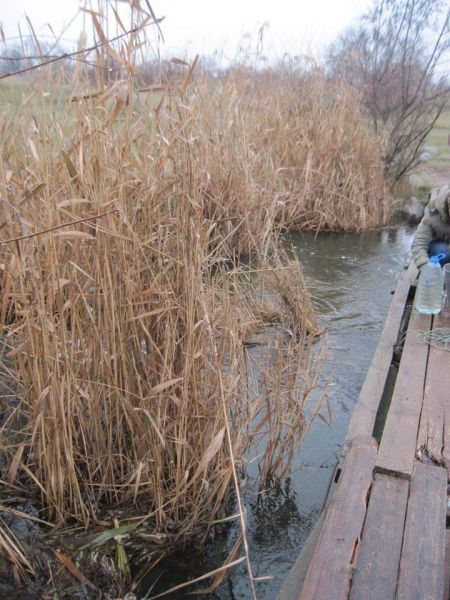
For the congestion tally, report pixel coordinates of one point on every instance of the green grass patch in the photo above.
(438, 139)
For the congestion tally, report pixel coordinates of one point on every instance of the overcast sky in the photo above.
(294, 26)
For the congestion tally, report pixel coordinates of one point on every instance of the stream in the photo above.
(351, 278)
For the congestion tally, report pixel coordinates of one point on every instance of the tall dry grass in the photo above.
(125, 302)
(285, 149)
(297, 146)
(124, 310)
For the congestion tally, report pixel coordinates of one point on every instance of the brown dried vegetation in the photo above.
(125, 306)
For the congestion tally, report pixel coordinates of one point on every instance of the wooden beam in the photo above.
(330, 570)
(447, 566)
(398, 443)
(431, 439)
(422, 564)
(363, 418)
(379, 555)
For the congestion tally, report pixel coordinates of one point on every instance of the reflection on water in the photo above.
(351, 278)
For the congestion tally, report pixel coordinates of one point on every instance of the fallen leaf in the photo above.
(72, 567)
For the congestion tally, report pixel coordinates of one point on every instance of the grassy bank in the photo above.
(435, 171)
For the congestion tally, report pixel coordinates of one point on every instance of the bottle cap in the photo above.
(437, 258)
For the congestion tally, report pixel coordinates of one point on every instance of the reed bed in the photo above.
(124, 316)
(279, 147)
(126, 301)
(301, 144)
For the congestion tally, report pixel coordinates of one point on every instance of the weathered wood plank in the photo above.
(398, 444)
(436, 404)
(331, 566)
(447, 566)
(365, 412)
(446, 450)
(379, 554)
(423, 553)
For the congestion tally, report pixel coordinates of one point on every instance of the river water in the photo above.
(351, 278)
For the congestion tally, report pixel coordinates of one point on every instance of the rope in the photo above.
(439, 338)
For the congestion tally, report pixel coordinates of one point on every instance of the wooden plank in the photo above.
(446, 450)
(398, 444)
(365, 412)
(423, 553)
(379, 555)
(329, 572)
(447, 566)
(436, 404)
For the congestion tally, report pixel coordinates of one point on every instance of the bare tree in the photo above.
(395, 57)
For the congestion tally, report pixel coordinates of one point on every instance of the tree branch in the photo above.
(67, 55)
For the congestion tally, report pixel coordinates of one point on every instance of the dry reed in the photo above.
(125, 308)
(305, 146)
(124, 319)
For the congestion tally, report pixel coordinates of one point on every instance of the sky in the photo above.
(200, 26)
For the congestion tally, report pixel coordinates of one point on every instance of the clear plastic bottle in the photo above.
(430, 287)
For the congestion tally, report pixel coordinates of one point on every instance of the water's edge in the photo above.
(351, 278)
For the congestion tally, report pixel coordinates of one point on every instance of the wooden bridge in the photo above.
(383, 535)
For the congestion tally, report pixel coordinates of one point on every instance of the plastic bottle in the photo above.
(430, 287)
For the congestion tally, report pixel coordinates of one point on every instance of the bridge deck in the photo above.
(384, 532)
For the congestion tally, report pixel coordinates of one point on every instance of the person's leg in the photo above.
(439, 247)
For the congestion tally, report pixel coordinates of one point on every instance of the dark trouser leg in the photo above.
(439, 247)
